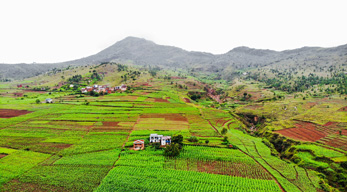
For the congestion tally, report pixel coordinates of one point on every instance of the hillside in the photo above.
(139, 51)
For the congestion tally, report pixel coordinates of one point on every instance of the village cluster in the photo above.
(153, 138)
(103, 89)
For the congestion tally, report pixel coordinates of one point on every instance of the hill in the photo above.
(138, 51)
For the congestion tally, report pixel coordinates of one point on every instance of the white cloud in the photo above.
(52, 31)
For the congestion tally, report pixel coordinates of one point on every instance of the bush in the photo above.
(225, 139)
(37, 101)
(224, 131)
(344, 165)
(172, 150)
(193, 139)
(177, 139)
(207, 141)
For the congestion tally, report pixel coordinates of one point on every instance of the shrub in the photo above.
(172, 150)
(37, 101)
(224, 131)
(193, 139)
(177, 139)
(225, 139)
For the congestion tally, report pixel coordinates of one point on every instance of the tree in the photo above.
(224, 131)
(172, 150)
(37, 101)
(207, 141)
(225, 139)
(244, 95)
(177, 139)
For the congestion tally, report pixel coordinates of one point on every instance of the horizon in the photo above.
(58, 31)
(179, 48)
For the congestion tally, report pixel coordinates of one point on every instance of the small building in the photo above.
(139, 145)
(71, 86)
(123, 87)
(166, 140)
(84, 90)
(163, 140)
(49, 100)
(155, 138)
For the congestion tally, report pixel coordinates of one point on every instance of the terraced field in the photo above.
(84, 144)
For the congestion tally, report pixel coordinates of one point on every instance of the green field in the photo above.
(84, 143)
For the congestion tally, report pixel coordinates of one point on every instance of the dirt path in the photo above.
(275, 168)
(213, 127)
(273, 177)
(202, 115)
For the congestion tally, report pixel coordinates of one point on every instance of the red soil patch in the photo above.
(60, 84)
(304, 131)
(18, 94)
(221, 122)
(309, 105)
(228, 168)
(9, 113)
(110, 124)
(343, 132)
(337, 143)
(343, 109)
(169, 117)
(103, 129)
(186, 100)
(159, 100)
(34, 91)
(2, 155)
(16, 185)
(330, 123)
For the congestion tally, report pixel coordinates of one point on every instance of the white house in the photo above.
(49, 100)
(123, 87)
(71, 86)
(166, 140)
(84, 90)
(163, 140)
(155, 138)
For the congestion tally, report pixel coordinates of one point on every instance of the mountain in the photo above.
(143, 52)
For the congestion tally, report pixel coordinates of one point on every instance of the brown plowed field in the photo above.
(304, 132)
(9, 113)
(169, 117)
(309, 105)
(2, 155)
(159, 100)
(343, 132)
(343, 109)
(337, 142)
(329, 123)
(109, 124)
(186, 100)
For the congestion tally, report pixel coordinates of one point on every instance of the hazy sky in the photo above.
(53, 31)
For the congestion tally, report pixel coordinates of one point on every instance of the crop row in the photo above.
(123, 178)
